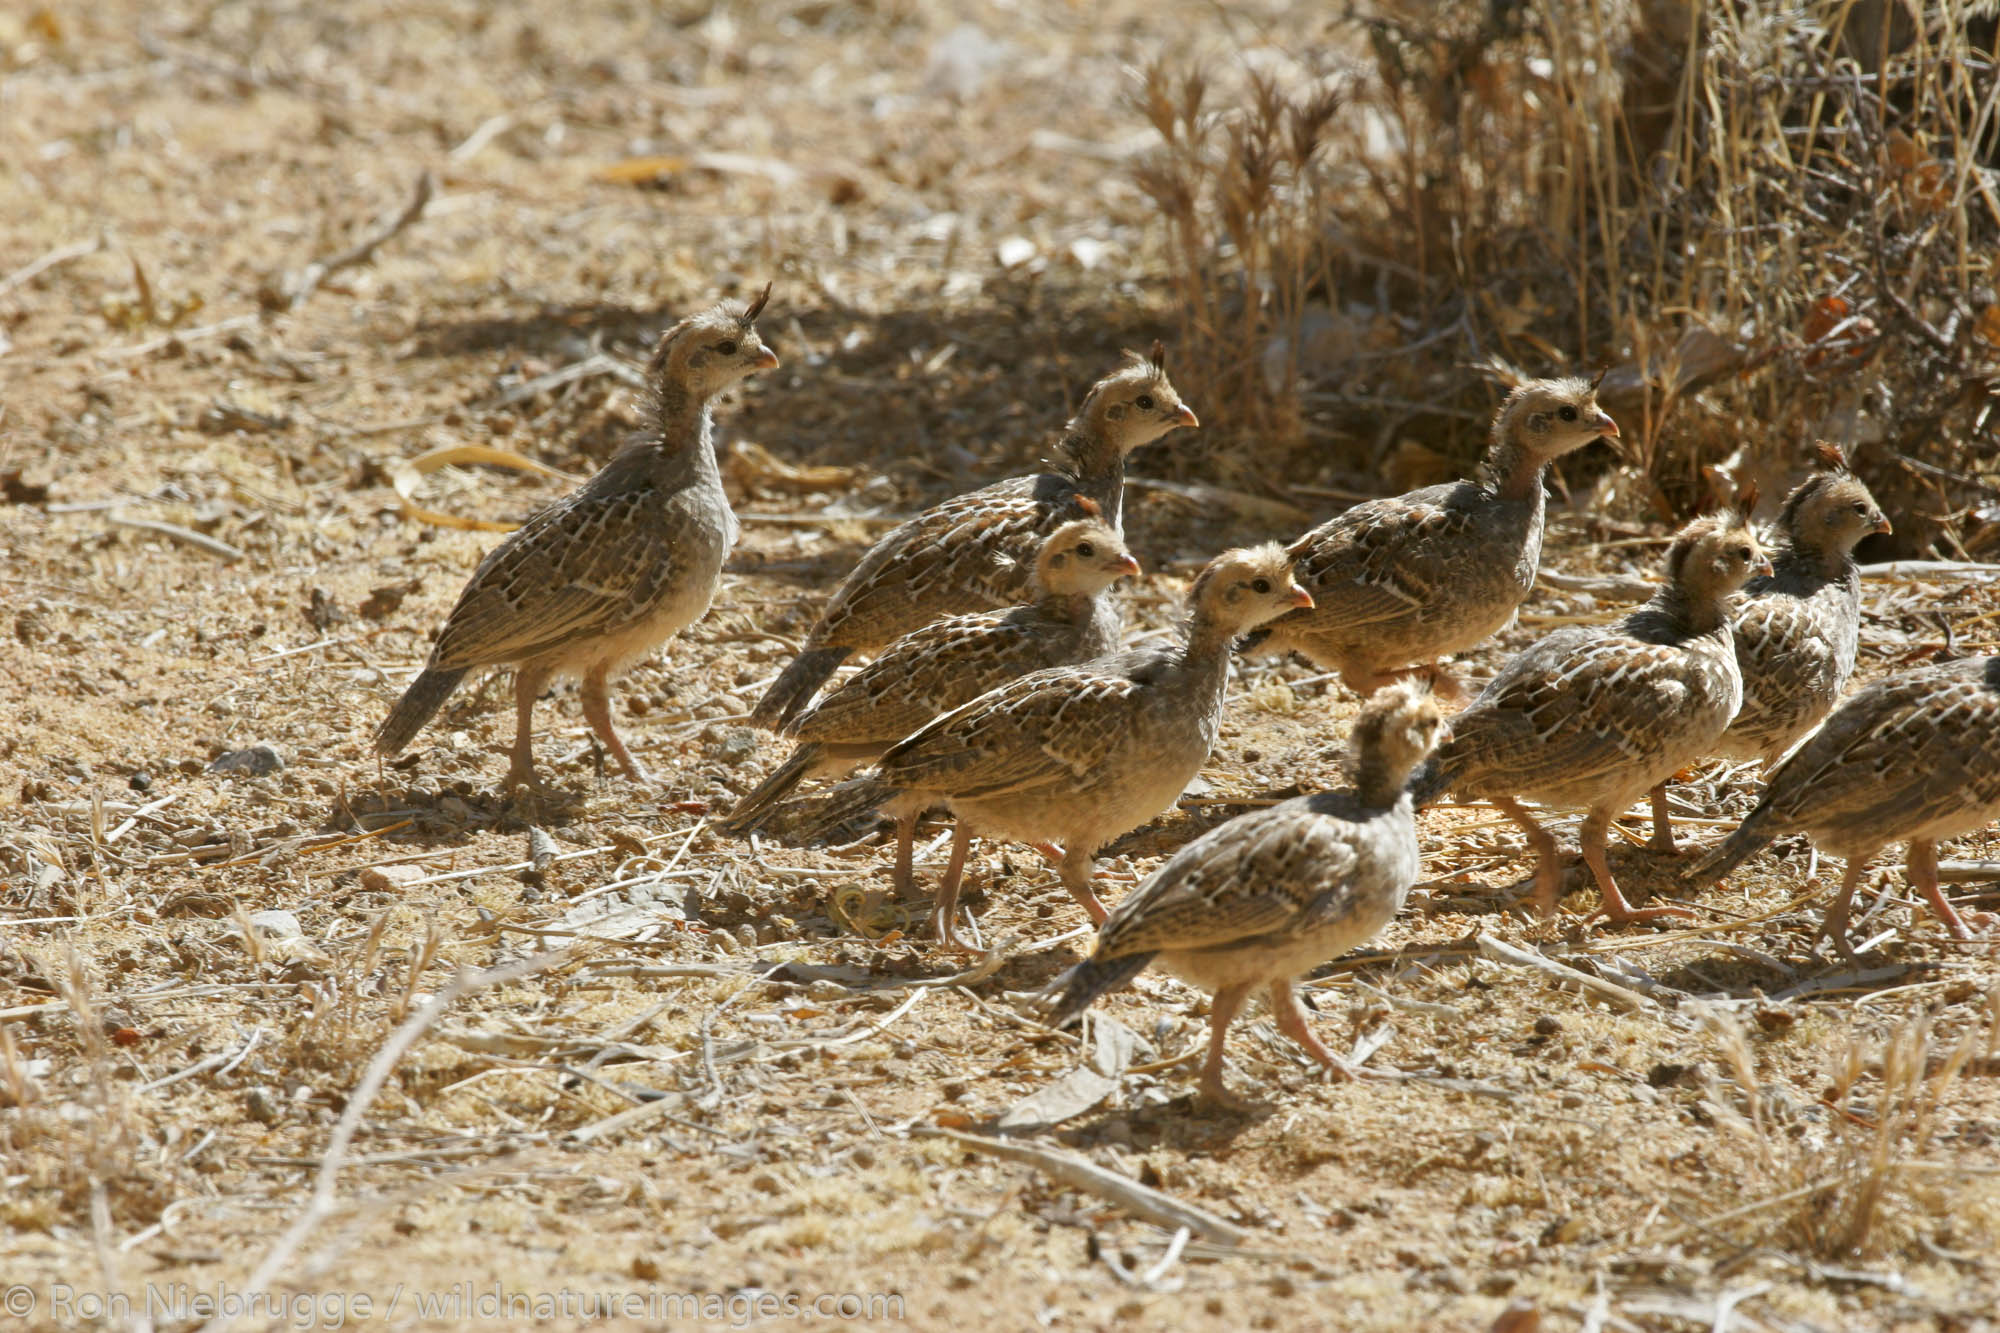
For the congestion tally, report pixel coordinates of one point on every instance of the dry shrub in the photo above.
(1846, 1177)
(1773, 222)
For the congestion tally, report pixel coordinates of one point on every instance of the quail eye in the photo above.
(727, 348)
(1086, 549)
(1860, 509)
(1261, 586)
(1742, 553)
(1567, 414)
(1145, 402)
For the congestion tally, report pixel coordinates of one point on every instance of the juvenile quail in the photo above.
(1078, 755)
(1268, 896)
(1797, 630)
(600, 578)
(974, 552)
(1413, 578)
(1912, 758)
(950, 662)
(1596, 716)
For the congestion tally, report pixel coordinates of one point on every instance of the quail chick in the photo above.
(1913, 758)
(1078, 755)
(975, 551)
(1797, 630)
(1272, 894)
(1413, 578)
(600, 578)
(951, 662)
(1596, 716)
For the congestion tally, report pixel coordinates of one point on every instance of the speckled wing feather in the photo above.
(1385, 557)
(971, 552)
(585, 566)
(1791, 668)
(1902, 754)
(927, 672)
(1046, 729)
(1577, 703)
(1275, 871)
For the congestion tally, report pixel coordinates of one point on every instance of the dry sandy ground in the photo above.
(1805, 1143)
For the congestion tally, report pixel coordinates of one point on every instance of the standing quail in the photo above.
(1797, 629)
(1412, 578)
(600, 578)
(1078, 755)
(950, 662)
(1912, 758)
(1270, 895)
(1596, 716)
(974, 552)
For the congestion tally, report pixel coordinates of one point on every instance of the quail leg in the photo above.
(529, 682)
(1833, 925)
(1923, 865)
(1293, 1023)
(1222, 1011)
(597, 712)
(1615, 906)
(1663, 824)
(1548, 865)
(1075, 872)
(944, 920)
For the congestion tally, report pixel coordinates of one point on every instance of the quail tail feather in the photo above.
(795, 686)
(754, 810)
(1750, 838)
(850, 799)
(418, 705)
(1094, 977)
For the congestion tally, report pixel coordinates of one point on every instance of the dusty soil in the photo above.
(1805, 1142)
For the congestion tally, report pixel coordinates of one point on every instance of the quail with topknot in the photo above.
(1078, 755)
(952, 661)
(1266, 897)
(1597, 716)
(975, 552)
(1911, 758)
(1798, 629)
(1401, 582)
(594, 582)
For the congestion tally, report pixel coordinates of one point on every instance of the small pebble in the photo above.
(255, 761)
(140, 781)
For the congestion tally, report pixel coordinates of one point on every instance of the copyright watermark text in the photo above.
(462, 1301)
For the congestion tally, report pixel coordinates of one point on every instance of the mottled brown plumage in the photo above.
(1078, 755)
(1597, 716)
(1412, 578)
(974, 552)
(951, 662)
(603, 576)
(1797, 629)
(1270, 895)
(1913, 758)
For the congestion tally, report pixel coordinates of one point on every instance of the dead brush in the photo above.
(1773, 222)
(1243, 193)
(1847, 1176)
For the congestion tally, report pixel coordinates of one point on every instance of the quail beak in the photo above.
(1882, 525)
(1604, 425)
(1300, 597)
(1184, 416)
(1123, 565)
(1764, 566)
(767, 359)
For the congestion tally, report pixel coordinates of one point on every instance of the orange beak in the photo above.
(767, 359)
(1606, 427)
(1186, 417)
(1300, 597)
(1882, 525)
(1123, 565)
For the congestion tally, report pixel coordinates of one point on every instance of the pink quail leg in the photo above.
(1615, 907)
(597, 712)
(1222, 1011)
